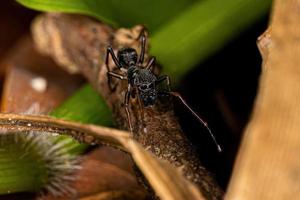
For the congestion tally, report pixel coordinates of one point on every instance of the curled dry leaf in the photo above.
(100, 176)
(84, 48)
(267, 166)
(264, 43)
(167, 181)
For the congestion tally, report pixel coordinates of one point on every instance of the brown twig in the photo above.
(83, 133)
(81, 43)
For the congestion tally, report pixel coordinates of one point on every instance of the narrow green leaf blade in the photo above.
(125, 13)
(85, 106)
(202, 30)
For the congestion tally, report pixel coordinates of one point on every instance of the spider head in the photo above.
(147, 93)
(127, 57)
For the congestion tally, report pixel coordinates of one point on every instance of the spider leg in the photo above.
(164, 78)
(150, 65)
(109, 73)
(142, 113)
(176, 94)
(114, 57)
(126, 103)
(142, 37)
(116, 75)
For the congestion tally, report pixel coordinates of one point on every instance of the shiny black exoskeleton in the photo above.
(141, 79)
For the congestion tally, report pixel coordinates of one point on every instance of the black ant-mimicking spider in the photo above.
(142, 79)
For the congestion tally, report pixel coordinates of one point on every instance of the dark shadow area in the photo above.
(222, 90)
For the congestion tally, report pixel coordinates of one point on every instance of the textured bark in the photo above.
(79, 44)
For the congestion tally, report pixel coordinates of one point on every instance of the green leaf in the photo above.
(202, 30)
(182, 34)
(85, 106)
(126, 13)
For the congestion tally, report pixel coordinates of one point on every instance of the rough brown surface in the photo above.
(268, 163)
(79, 44)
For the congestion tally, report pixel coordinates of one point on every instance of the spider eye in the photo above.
(143, 87)
(151, 85)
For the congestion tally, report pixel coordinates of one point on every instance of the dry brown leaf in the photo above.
(264, 44)
(101, 179)
(114, 157)
(267, 166)
(27, 70)
(116, 195)
(99, 176)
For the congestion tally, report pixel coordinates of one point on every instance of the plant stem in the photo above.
(88, 133)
